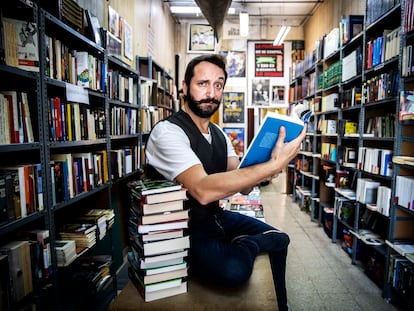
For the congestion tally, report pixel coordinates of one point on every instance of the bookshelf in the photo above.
(88, 123)
(401, 214)
(357, 133)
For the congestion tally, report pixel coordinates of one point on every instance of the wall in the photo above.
(152, 24)
(327, 17)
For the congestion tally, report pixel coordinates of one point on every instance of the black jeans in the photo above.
(224, 248)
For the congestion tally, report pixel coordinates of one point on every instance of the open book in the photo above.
(261, 147)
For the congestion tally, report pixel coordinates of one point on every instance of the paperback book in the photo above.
(151, 186)
(261, 147)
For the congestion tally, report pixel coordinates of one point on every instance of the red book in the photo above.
(58, 119)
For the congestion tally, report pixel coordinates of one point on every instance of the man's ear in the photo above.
(185, 88)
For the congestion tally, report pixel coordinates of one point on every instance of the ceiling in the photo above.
(287, 12)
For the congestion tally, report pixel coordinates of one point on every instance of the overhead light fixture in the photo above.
(193, 10)
(244, 24)
(284, 30)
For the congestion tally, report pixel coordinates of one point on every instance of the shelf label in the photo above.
(77, 94)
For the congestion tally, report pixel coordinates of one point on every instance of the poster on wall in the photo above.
(201, 39)
(236, 135)
(260, 92)
(235, 63)
(268, 60)
(233, 107)
(114, 21)
(278, 95)
(127, 41)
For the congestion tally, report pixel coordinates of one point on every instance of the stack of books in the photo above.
(98, 219)
(65, 252)
(108, 213)
(158, 238)
(84, 235)
(249, 205)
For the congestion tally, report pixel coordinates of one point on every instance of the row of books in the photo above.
(151, 115)
(380, 126)
(404, 186)
(15, 118)
(409, 16)
(407, 63)
(158, 238)
(329, 151)
(74, 121)
(380, 87)
(350, 97)
(121, 87)
(401, 274)
(376, 8)
(383, 48)
(352, 64)
(124, 120)
(376, 196)
(21, 191)
(375, 160)
(333, 74)
(25, 264)
(75, 67)
(75, 173)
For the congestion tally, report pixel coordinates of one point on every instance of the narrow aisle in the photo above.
(320, 275)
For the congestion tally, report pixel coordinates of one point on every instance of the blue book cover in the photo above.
(261, 147)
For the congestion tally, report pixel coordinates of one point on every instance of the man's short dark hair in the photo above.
(215, 59)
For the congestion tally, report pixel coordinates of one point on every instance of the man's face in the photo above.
(205, 91)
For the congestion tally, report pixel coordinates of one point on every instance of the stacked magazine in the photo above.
(158, 238)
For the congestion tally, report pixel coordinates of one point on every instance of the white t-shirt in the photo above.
(172, 153)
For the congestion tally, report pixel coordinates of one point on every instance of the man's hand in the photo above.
(283, 152)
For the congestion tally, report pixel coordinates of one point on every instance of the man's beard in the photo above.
(195, 106)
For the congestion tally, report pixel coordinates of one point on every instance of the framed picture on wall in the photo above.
(127, 40)
(236, 135)
(233, 107)
(201, 39)
(235, 63)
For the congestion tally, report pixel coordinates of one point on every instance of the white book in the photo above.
(166, 246)
(167, 292)
(163, 258)
(168, 262)
(82, 68)
(163, 269)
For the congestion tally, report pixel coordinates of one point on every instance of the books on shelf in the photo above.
(65, 252)
(84, 234)
(404, 193)
(403, 247)
(260, 148)
(407, 160)
(20, 269)
(367, 190)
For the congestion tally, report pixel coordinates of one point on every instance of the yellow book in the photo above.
(69, 121)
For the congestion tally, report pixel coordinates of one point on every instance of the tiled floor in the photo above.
(320, 275)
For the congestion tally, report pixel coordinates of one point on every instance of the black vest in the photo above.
(213, 157)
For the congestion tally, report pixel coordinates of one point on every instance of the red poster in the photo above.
(268, 60)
